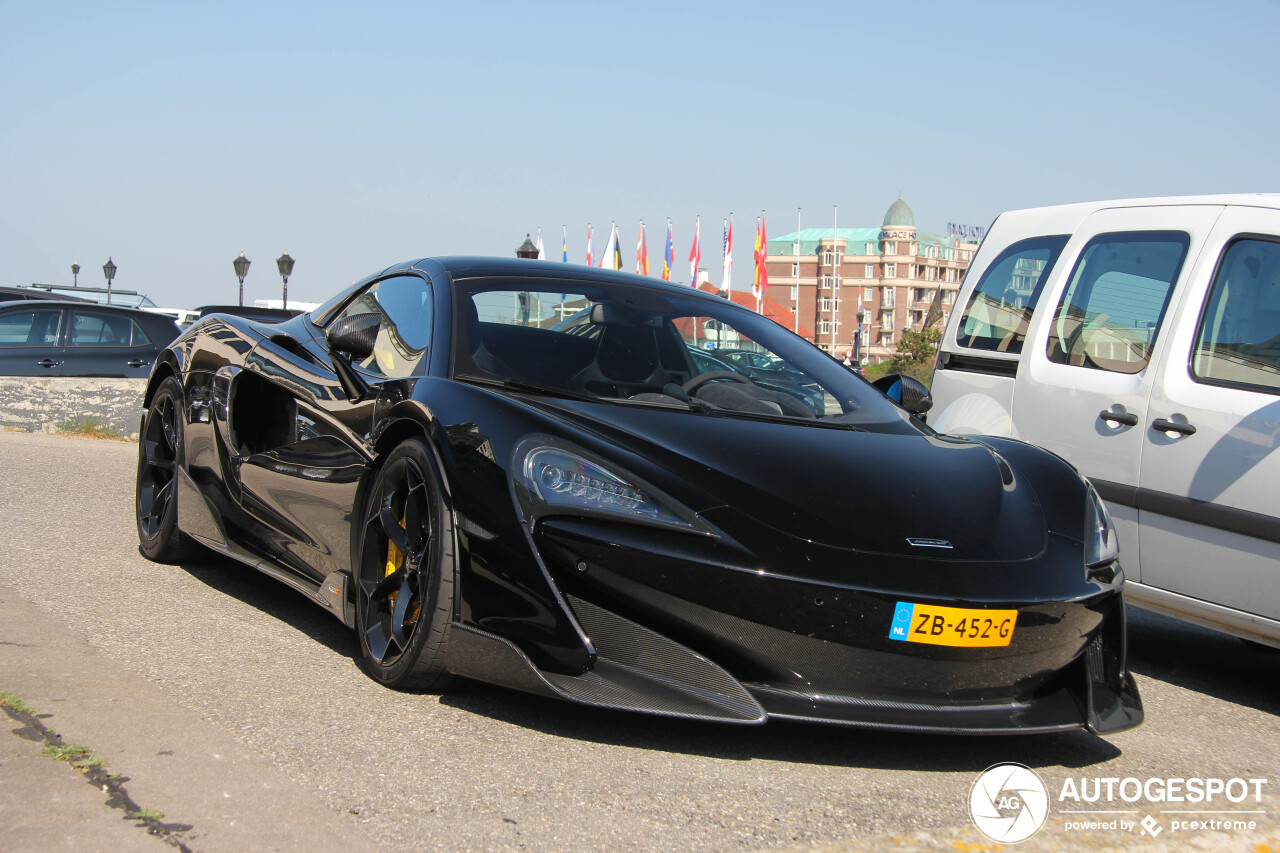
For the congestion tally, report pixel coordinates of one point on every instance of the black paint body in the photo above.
(780, 606)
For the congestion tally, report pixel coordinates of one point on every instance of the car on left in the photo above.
(66, 338)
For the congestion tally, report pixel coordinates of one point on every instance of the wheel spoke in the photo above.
(155, 458)
(387, 585)
(403, 599)
(160, 504)
(413, 517)
(376, 637)
(392, 528)
(167, 427)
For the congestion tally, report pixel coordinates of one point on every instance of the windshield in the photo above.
(621, 343)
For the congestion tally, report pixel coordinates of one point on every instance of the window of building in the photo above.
(1116, 299)
(890, 270)
(870, 271)
(824, 327)
(795, 293)
(826, 257)
(826, 282)
(868, 294)
(886, 300)
(871, 248)
(890, 247)
(795, 270)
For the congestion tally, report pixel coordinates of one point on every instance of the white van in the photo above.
(1140, 340)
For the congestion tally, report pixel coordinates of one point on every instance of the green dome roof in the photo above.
(899, 215)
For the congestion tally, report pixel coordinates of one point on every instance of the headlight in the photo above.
(549, 476)
(1101, 545)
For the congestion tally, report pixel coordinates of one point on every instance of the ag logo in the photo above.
(1008, 803)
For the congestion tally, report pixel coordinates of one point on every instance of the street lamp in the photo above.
(284, 263)
(75, 275)
(242, 269)
(527, 250)
(109, 270)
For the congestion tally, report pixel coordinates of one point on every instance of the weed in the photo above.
(64, 751)
(89, 762)
(89, 426)
(8, 700)
(145, 813)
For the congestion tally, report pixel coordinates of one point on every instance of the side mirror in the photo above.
(354, 335)
(906, 391)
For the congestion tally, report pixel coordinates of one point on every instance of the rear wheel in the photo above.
(159, 457)
(405, 573)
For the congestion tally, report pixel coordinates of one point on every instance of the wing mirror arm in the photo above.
(350, 337)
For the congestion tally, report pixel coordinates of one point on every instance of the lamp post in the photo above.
(284, 263)
(75, 275)
(527, 250)
(109, 270)
(857, 340)
(242, 269)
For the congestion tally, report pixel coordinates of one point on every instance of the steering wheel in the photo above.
(701, 379)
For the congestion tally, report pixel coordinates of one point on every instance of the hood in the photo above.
(905, 494)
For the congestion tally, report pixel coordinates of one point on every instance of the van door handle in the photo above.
(1126, 418)
(1165, 425)
(47, 362)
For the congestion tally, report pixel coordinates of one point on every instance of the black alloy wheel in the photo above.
(405, 576)
(159, 458)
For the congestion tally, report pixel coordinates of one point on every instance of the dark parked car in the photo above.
(64, 338)
(594, 517)
(266, 315)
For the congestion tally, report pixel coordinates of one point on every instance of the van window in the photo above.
(997, 315)
(1118, 294)
(1239, 339)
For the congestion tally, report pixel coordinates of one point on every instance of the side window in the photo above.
(1239, 338)
(1112, 309)
(404, 302)
(1000, 309)
(100, 329)
(30, 328)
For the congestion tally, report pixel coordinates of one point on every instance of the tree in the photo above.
(915, 353)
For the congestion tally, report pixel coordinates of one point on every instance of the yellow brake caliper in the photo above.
(395, 559)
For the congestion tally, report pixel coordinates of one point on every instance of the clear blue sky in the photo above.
(173, 135)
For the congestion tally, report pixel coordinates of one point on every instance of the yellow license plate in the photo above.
(951, 626)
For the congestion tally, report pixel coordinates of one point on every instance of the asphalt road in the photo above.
(488, 769)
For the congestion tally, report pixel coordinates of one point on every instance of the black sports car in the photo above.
(575, 509)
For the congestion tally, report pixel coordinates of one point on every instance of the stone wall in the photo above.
(50, 404)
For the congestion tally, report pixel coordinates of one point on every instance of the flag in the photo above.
(642, 253)
(611, 257)
(695, 252)
(762, 256)
(590, 257)
(564, 242)
(726, 274)
(935, 311)
(668, 255)
(542, 253)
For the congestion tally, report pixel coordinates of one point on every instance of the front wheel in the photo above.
(156, 493)
(405, 572)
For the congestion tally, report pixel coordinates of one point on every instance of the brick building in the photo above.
(891, 274)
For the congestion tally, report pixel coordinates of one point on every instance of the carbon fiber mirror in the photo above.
(908, 392)
(354, 335)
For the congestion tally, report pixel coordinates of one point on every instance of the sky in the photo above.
(171, 136)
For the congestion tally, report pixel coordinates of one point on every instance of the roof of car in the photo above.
(1271, 200)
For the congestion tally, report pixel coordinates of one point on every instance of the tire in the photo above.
(155, 495)
(404, 573)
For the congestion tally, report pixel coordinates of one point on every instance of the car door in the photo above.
(1086, 383)
(102, 342)
(310, 446)
(1210, 487)
(29, 340)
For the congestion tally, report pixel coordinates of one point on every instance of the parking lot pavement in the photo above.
(207, 791)
(215, 652)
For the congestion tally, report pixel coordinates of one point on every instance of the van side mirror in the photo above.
(906, 391)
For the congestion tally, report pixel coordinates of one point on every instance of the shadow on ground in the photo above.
(1204, 661)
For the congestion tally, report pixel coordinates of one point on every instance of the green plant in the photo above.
(89, 426)
(145, 813)
(8, 700)
(64, 751)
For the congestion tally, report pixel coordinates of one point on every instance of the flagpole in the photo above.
(759, 302)
(796, 247)
(835, 275)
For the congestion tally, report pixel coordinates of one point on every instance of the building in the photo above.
(891, 275)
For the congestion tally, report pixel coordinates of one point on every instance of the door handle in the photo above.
(47, 362)
(137, 362)
(1165, 425)
(1126, 418)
